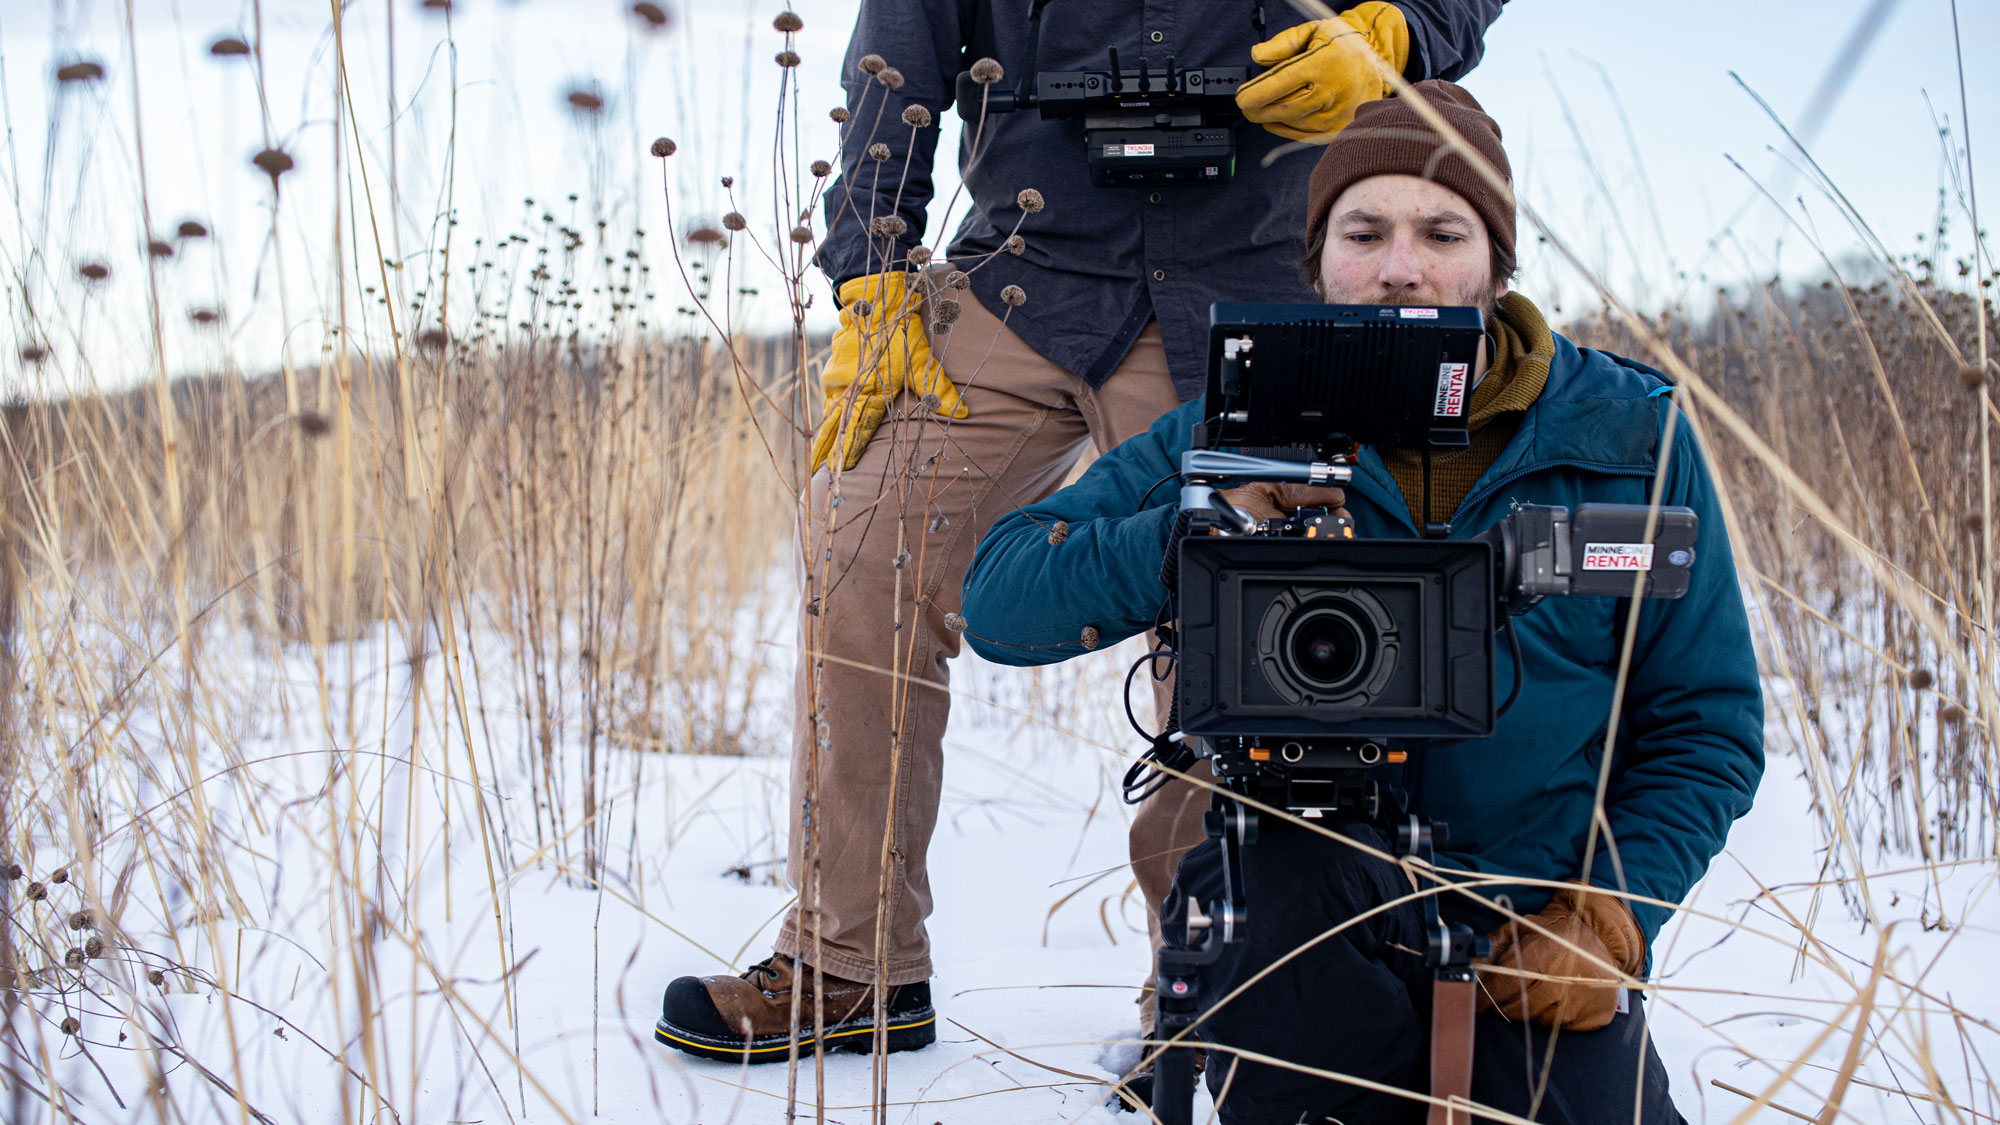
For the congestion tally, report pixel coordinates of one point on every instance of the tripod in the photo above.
(1336, 786)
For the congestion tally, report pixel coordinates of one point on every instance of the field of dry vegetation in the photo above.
(563, 524)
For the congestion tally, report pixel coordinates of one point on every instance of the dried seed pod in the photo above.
(30, 353)
(94, 947)
(155, 977)
(788, 21)
(788, 59)
(838, 113)
(228, 47)
(878, 151)
(872, 64)
(1921, 678)
(945, 311)
(1016, 244)
(705, 236)
(1090, 636)
(654, 15)
(734, 221)
(861, 307)
(727, 183)
(663, 146)
(802, 235)
(1974, 521)
(94, 271)
(71, 1025)
(314, 424)
(1014, 295)
(14, 869)
(954, 622)
(956, 279)
(1030, 200)
(81, 920)
(890, 77)
(1970, 376)
(1951, 714)
(73, 959)
(920, 256)
(189, 228)
(916, 116)
(159, 248)
(204, 317)
(820, 168)
(988, 71)
(1059, 533)
(61, 875)
(37, 892)
(888, 226)
(84, 70)
(584, 101)
(274, 162)
(433, 339)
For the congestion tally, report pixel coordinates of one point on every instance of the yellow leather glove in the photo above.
(1322, 71)
(880, 351)
(1572, 970)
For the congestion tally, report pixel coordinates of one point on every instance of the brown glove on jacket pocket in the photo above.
(1566, 965)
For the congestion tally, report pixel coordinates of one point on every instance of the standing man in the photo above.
(958, 391)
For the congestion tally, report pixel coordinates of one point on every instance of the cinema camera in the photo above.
(1307, 658)
(1141, 125)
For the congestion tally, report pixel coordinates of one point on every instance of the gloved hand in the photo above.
(880, 351)
(1322, 71)
(1591, 938)
(1268, 500)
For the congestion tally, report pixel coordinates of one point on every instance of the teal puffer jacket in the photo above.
(1689, 747)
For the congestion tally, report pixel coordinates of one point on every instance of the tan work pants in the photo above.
(886, 566)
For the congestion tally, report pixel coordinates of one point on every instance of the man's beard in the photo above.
(1479, 295)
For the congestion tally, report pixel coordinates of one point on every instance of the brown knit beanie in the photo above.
(1387, 136)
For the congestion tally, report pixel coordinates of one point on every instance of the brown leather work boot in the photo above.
(733, 1019)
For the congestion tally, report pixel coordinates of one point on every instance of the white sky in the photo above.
(1640, 202)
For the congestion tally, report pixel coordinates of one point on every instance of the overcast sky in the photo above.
(1621, 120)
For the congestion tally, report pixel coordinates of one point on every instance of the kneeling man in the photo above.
(1576, 837)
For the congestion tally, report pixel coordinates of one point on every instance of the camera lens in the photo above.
(1328, 648)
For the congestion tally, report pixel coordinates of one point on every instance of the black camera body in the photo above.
(1300, 645)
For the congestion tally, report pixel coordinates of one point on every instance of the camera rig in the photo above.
(1143, 124)
(1309, 662)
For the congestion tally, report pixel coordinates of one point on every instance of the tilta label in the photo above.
(1617, 556)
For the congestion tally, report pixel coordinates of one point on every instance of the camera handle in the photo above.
(1195, 940)
(1202, 469)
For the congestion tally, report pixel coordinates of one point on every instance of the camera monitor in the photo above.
(1302, 382)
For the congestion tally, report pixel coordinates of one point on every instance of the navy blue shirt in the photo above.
(1099, 262)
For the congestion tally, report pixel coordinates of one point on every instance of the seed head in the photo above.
(1014, 295)
(872, 64)
(83, 70)
(1921, 678)
(706, 236)
(37, 892)
(1030, 200)
(802, 235)
(1951, 714)
(1015, 244)
(274, 162)
(890, 77)
(955, 622)
(1058, 533)
(945, 311)
(920, 256)
(73, 959)
(988, 71)
(1970, 376)
(160, 248)
(94, 271)
(788, 58)
(228, 47)
(838, 113)
(30, 353)
(189, 228)
(81, 920)
(584, 101)
(204, 317)
(956, 279)
(861, 307)
(663, 146)
(93, 947)
(916, 116)
(71, 1025)
(1090, 636)
(653, 15)
(155, 977)
(930, 402)
(1974, 521)
(433, 339)
(314, 424)
(61, 875)
(888, 226)
(734, 221)
(14, 871)
(788, 21)
(820, 168)
(878, 151)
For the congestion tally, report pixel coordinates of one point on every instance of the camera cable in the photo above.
(1167, 755)
(1514, 649)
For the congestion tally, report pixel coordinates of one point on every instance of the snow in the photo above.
(536, 1003)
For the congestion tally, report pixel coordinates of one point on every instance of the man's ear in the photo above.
(1499, 290)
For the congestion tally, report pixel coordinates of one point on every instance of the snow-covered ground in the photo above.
(502, 986)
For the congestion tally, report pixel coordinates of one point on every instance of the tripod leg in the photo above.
(1173, 1086)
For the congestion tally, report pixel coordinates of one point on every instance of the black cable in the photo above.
(1149, 774)
(1513, 647)
(1156, 488)
(1147, 658)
